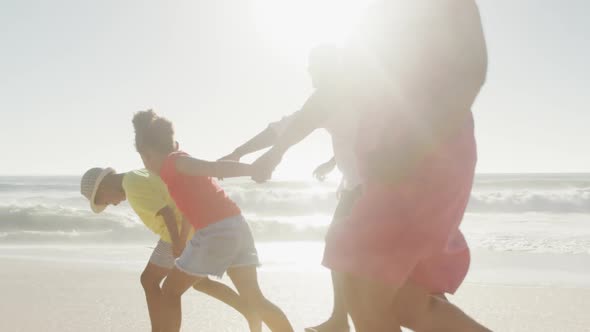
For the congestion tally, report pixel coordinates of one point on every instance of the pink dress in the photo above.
(409, 231)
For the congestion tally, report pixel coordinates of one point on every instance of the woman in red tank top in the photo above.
(222, 242)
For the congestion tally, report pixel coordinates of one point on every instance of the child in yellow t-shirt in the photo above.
(149, 198)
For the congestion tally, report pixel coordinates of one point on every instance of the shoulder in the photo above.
(134, 178)
(169, 171)
(324, 100)
(141, 180)
(145, 191)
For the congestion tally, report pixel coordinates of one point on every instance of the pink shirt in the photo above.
(199, 198)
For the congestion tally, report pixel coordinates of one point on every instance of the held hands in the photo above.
(234, 156)
(260, 170)
(263, 167)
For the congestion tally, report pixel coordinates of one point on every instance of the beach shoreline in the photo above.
(96, 288)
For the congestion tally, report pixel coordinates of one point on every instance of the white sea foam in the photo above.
(542, 213)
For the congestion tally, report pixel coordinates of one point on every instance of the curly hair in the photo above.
(153, 132)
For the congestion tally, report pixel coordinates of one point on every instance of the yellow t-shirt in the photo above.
(147, 194)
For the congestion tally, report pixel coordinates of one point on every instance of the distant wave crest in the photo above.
(41, 223)
(575, 200)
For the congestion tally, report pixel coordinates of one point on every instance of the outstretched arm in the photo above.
(220, 169)
(266, 138)
(311, 117)
(262, 140)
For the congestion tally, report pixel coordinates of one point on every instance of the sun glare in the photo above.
(294, 27)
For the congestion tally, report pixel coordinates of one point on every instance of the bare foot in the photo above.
(330, 326)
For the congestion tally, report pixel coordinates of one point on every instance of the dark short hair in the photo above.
(153, 132)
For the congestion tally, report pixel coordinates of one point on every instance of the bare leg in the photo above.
(228, 296)
(246, 281)
(370, 305)
(423, 312)
(175, 285)
(151, 278)
(338, 321)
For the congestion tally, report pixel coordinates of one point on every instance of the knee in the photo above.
(170, 292)
(418, 318)
(204, 285)
(149, 281)
(257, 301)
(433, 305)
(254, 297)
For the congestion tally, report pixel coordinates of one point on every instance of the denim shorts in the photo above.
(216, 248)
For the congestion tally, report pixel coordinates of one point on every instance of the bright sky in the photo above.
(72, 72)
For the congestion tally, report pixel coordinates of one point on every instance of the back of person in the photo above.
(201, 200)
(147, 195)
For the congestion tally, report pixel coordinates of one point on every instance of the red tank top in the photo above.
(199, 198)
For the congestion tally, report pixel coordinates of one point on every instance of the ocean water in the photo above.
(517, 212)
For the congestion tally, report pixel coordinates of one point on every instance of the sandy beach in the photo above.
(411, 97)
(61, 288)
